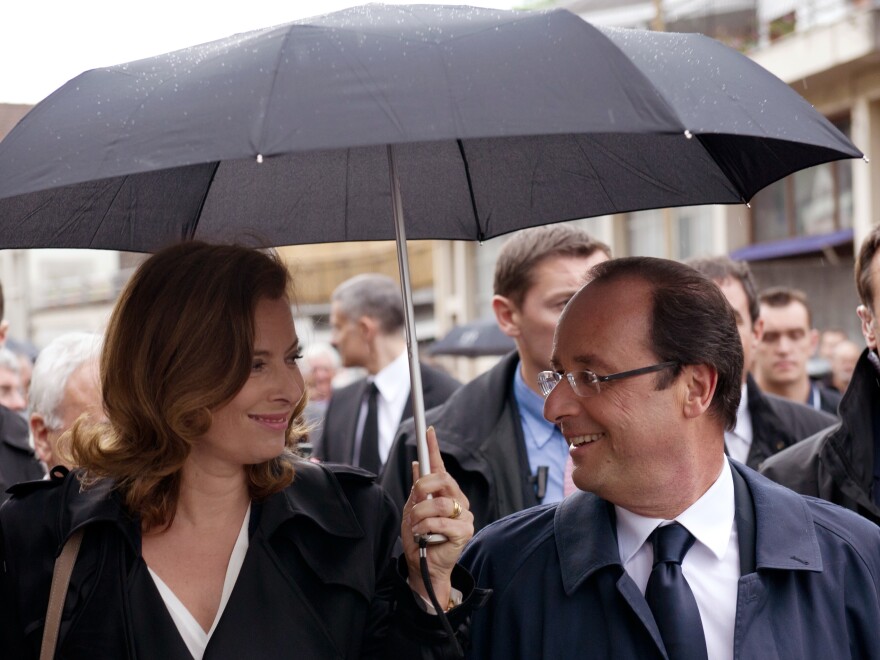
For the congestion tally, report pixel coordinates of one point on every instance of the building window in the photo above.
(814, 201)
(676, 233)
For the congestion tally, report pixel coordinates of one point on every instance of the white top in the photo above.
(711, 566)
(393, 384)
(195, 638)
(739, 441)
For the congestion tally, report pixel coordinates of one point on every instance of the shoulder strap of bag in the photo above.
(60, 581)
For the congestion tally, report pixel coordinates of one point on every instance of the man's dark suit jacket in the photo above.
(340, 423)
(778, 423)
(17, 460)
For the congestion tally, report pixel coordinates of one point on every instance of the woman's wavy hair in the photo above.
(178, 346)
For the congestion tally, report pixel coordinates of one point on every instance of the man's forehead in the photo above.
(794, 313)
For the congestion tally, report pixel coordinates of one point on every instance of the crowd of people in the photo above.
(628, 482)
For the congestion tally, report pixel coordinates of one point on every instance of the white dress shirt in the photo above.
(192, 633)
(711, 566)
(739, 441)
(393, 384)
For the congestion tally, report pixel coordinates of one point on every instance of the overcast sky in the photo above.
(45, 43)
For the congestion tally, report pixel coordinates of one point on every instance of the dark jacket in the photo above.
(17, 460)
(813, 590)
(778, 423)
(837, 464)
(481, 440)
(317, 580)
(829, 398)
(340, 421)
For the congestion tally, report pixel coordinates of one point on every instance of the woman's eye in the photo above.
(257, 365)
(292, 359)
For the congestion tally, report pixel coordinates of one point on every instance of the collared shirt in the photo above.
(711, 566)
(393, 383)
(739, 441)
(544, 442)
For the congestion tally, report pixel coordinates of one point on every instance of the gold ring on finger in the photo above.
(456, 509)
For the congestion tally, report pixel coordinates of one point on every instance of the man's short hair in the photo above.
(55, 365)
(863, 267)
(691, 323)
(723, 268)
(783, 296)
(375, 296)
(524, 250)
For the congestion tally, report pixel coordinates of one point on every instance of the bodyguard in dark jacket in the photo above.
(482, 447)
(503, 453)
(839, 464)
(779, 423)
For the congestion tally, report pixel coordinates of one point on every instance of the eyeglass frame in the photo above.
(545, 376)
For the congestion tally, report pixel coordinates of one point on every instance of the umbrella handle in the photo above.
(412, 344)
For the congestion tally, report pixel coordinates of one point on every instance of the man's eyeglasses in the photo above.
(588, 383)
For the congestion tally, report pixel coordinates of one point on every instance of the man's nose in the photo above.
(561, 402)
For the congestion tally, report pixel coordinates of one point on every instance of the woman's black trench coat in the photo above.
(317, 580)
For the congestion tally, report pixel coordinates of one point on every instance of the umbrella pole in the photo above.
(412, 344)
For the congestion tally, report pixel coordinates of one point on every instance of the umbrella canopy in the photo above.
(460, 123)
(475, 339)
(500, 120)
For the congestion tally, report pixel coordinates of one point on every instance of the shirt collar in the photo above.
(531, 410)
(744, 417)
(709, 519)
(394, 378)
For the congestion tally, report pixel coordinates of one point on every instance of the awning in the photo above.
(789, 247)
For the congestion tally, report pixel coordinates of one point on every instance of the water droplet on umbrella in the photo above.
(866, 159)
(259, 158)
(688, 134)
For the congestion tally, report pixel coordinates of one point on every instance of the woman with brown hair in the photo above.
(204, 535)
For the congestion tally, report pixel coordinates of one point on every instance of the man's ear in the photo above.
(40, 435)
(368, 327)
(507, 315)
(869, 326)
(700, 382)
(758, 329)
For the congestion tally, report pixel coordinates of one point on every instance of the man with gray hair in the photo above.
(362, 418)
(66, 384)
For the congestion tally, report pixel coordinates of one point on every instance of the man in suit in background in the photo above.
(493, 437)
(669, 549)
(765, 423)
(366, 316)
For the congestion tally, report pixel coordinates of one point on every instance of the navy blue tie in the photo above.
(670, 597)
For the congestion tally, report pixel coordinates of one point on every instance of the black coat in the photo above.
(481, 440)
(778, 423)
(837, 464)
(317, 580)
(17, 460)
(340, 420)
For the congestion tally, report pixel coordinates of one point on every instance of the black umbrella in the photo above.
(487, 121)
(475, 339)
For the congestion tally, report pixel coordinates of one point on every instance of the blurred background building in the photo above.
(801, 231)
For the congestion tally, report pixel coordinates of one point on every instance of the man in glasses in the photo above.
(671, 550)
